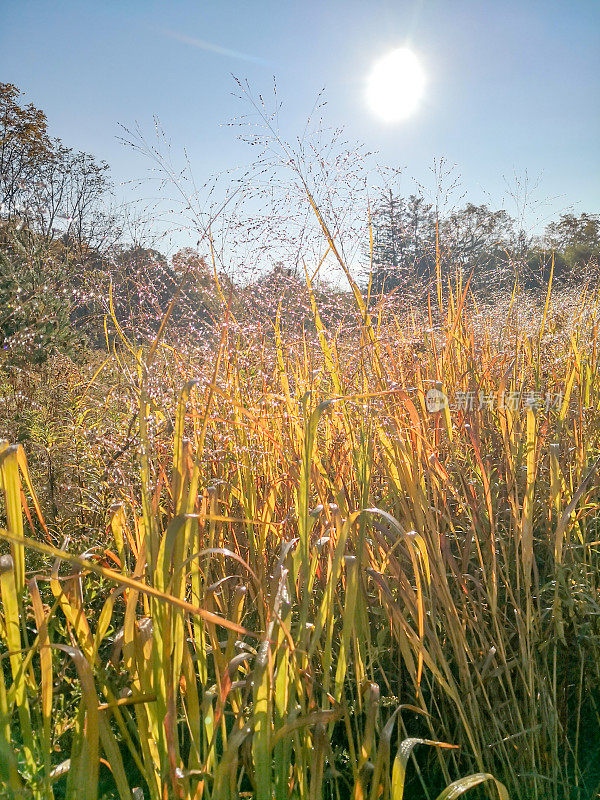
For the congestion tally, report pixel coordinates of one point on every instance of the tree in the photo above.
(141, 289)
(24, 147)
(478, 240)
(475, 240)
(572, 246)
(54, 224)
(577, 239)
(50, 188)
(36, 298)
(144, 282)
(403, 242)
(68, 196)
(199, 300)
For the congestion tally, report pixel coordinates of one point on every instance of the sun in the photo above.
(395, 85)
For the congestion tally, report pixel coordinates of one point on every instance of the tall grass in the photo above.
(311, 585)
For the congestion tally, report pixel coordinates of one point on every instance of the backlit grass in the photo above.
(287, 578)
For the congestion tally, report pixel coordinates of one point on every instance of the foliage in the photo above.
(24, 148)
(576, 242)
(410, 238)
(53, 222)
(404, 248)
(38, 296)
(145, 282)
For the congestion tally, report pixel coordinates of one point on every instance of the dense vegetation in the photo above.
(247, 549)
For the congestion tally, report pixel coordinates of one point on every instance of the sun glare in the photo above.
(395, 85)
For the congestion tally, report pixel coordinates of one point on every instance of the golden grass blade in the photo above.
(463, 785)
(124, 580)
(11, 485)
(401, 761)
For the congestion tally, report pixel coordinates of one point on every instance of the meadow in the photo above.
(271, 566)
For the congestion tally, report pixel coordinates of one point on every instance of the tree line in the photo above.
(411, 242)
(66, 264)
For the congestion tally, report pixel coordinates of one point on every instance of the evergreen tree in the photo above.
(403, 242)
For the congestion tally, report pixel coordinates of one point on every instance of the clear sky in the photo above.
(512, 85)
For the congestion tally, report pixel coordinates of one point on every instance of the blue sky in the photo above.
(513, 85)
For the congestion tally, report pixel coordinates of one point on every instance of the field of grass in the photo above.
(267, 569)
